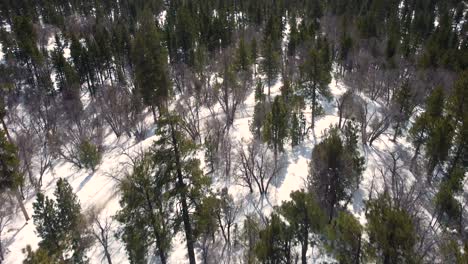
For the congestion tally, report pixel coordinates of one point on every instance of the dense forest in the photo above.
(234, 131)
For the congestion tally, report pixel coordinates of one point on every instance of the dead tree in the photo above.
(101, 230)
(115, 106)
(257, 167)
(378, 126)
(227, 215)
(341, 104)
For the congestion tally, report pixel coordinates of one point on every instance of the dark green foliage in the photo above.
(446, 205)
(335, 171)
(434, 130)
(269, 65)
(145, 213)
(275, 242)
(403, 105)
(60, 223)
(392, 236)
(250, 234)
(40, 256)
(243, 56)
(315, 76)
(260, 111)
(451, 252)
(345, 234)
(89, 155)
(150, 60)
(173, 152)
(304, 217)
(298, 128)
(439, 142)
(275, 127)
(10, 177)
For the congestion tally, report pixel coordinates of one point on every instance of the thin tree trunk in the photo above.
(314, 98)
(183, 198)
(162, 254)
(21, 204)
(305, 246)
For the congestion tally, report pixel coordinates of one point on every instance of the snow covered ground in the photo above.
(100, 189)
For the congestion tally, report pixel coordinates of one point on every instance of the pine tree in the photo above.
(275, 242)
(146, 208)
(438, 143)
(297, 131)
(403, 103)
(150, 61)
(458, 111)
(40, 256)
(269, 65)
(421, 128)
(392, 236)
(345, 233)
(243, 57)
(304, 216)
(10, 176)
(60, 223)
(276, 125)
(334, 172)
(175, 152)
(315, 73)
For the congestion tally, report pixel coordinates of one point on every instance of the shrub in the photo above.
(89, 155)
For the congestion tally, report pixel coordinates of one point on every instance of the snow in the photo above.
(100, 189)
(1, 53)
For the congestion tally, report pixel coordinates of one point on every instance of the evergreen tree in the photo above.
(40, 256)
(146, 209)
(275, 242)
(269, 65)
(392, 236)
(298, 128)
(404, 107)
(334, 172)
(60, 223)
(260, 111)
(150, 61)
(452, 252)
(276, 125)
(438, 143)
(421, 128)
(345, 233)
(10, 176)
(458, 111)
(315, 73)
(250, 236)
(304, 216)
(243, 56)
(175, 153)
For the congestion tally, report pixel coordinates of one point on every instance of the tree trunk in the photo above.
(304, 248)
(358, 253)
(21, 204)
(162, 254)
(108, 256)
(153, 110)
(183, 200)
(314, 98)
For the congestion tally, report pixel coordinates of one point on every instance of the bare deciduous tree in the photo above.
(115, 106)
(257, 167)
(101, 230)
